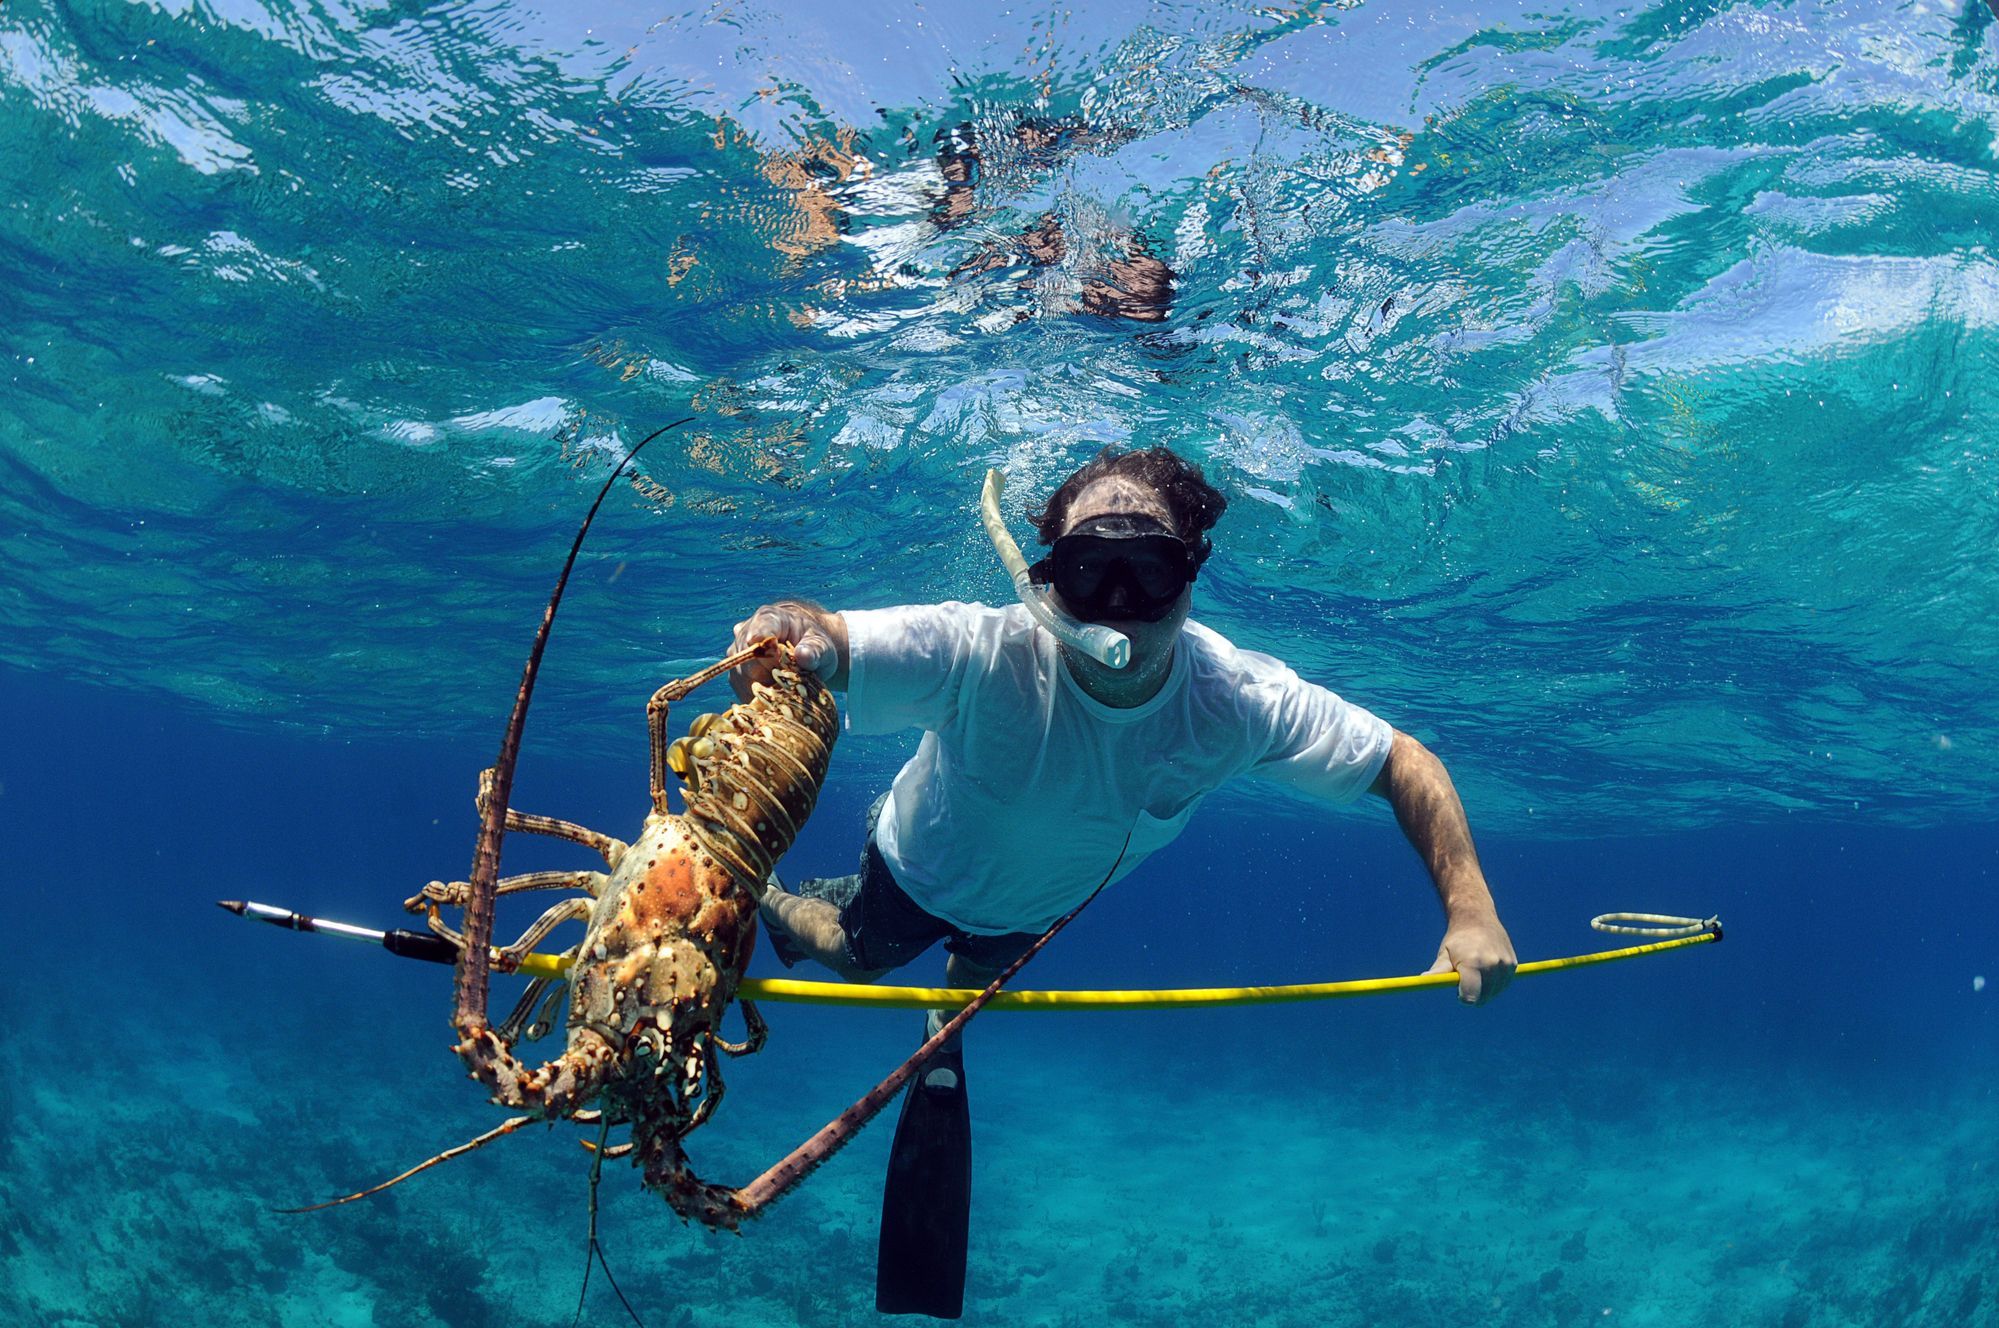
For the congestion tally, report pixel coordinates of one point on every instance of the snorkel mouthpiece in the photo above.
(1109, 648)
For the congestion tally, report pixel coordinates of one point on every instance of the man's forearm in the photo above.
(1426, 805)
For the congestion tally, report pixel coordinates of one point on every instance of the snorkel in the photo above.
(1109, 648)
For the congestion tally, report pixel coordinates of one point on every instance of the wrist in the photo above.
(1471, 902)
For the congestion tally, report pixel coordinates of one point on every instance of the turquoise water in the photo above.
(1603, 394)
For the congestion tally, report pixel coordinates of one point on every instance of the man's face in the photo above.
(1121, 496)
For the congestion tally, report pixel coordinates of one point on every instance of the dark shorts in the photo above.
(886, 928)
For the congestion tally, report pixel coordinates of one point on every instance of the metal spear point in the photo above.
(408, 944)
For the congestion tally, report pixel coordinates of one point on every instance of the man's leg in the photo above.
(815, 924)
(959, 971)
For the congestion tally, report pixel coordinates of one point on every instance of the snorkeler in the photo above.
(1044, 771)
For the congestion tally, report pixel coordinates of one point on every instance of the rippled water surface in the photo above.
(1598, 392)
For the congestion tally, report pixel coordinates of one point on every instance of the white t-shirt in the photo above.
(1023, 788)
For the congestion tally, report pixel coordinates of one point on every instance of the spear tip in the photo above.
(236, 906)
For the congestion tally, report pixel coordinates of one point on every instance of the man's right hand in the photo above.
(819, 638)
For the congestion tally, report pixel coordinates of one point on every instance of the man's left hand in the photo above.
(1481, 953)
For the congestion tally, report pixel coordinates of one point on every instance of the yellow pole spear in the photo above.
(1677, 933)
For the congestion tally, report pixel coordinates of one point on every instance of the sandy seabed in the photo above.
(1116, 1182)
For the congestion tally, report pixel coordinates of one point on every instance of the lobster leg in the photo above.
(550, 1011)
(711, 1096)
(759, 1031)
(508, 957)
(456, 893)
(675, 691)
(608, 848)
(516, 1023)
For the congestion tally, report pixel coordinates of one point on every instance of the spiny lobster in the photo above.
(668, 932)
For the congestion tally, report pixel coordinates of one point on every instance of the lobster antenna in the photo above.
(508, 1126)
(596, 1249)
(803, 1160)
(469, 993)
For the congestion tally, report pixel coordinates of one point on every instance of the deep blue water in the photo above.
(1794, 1126)
(1603, 394)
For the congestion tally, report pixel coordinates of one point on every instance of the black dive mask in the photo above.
(1118, 568)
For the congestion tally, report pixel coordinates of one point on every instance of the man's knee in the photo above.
(962, 972)
(852, 972)
(851, 969)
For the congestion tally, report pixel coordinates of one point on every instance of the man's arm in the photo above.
(1426, 805)
(820, 636)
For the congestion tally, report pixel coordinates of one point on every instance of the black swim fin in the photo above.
(927, 1200)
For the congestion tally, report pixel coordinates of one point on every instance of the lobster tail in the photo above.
(754, 773)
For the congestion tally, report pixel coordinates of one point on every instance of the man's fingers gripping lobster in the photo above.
(796, 623)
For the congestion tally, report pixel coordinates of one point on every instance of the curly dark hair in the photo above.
(1195, 504)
